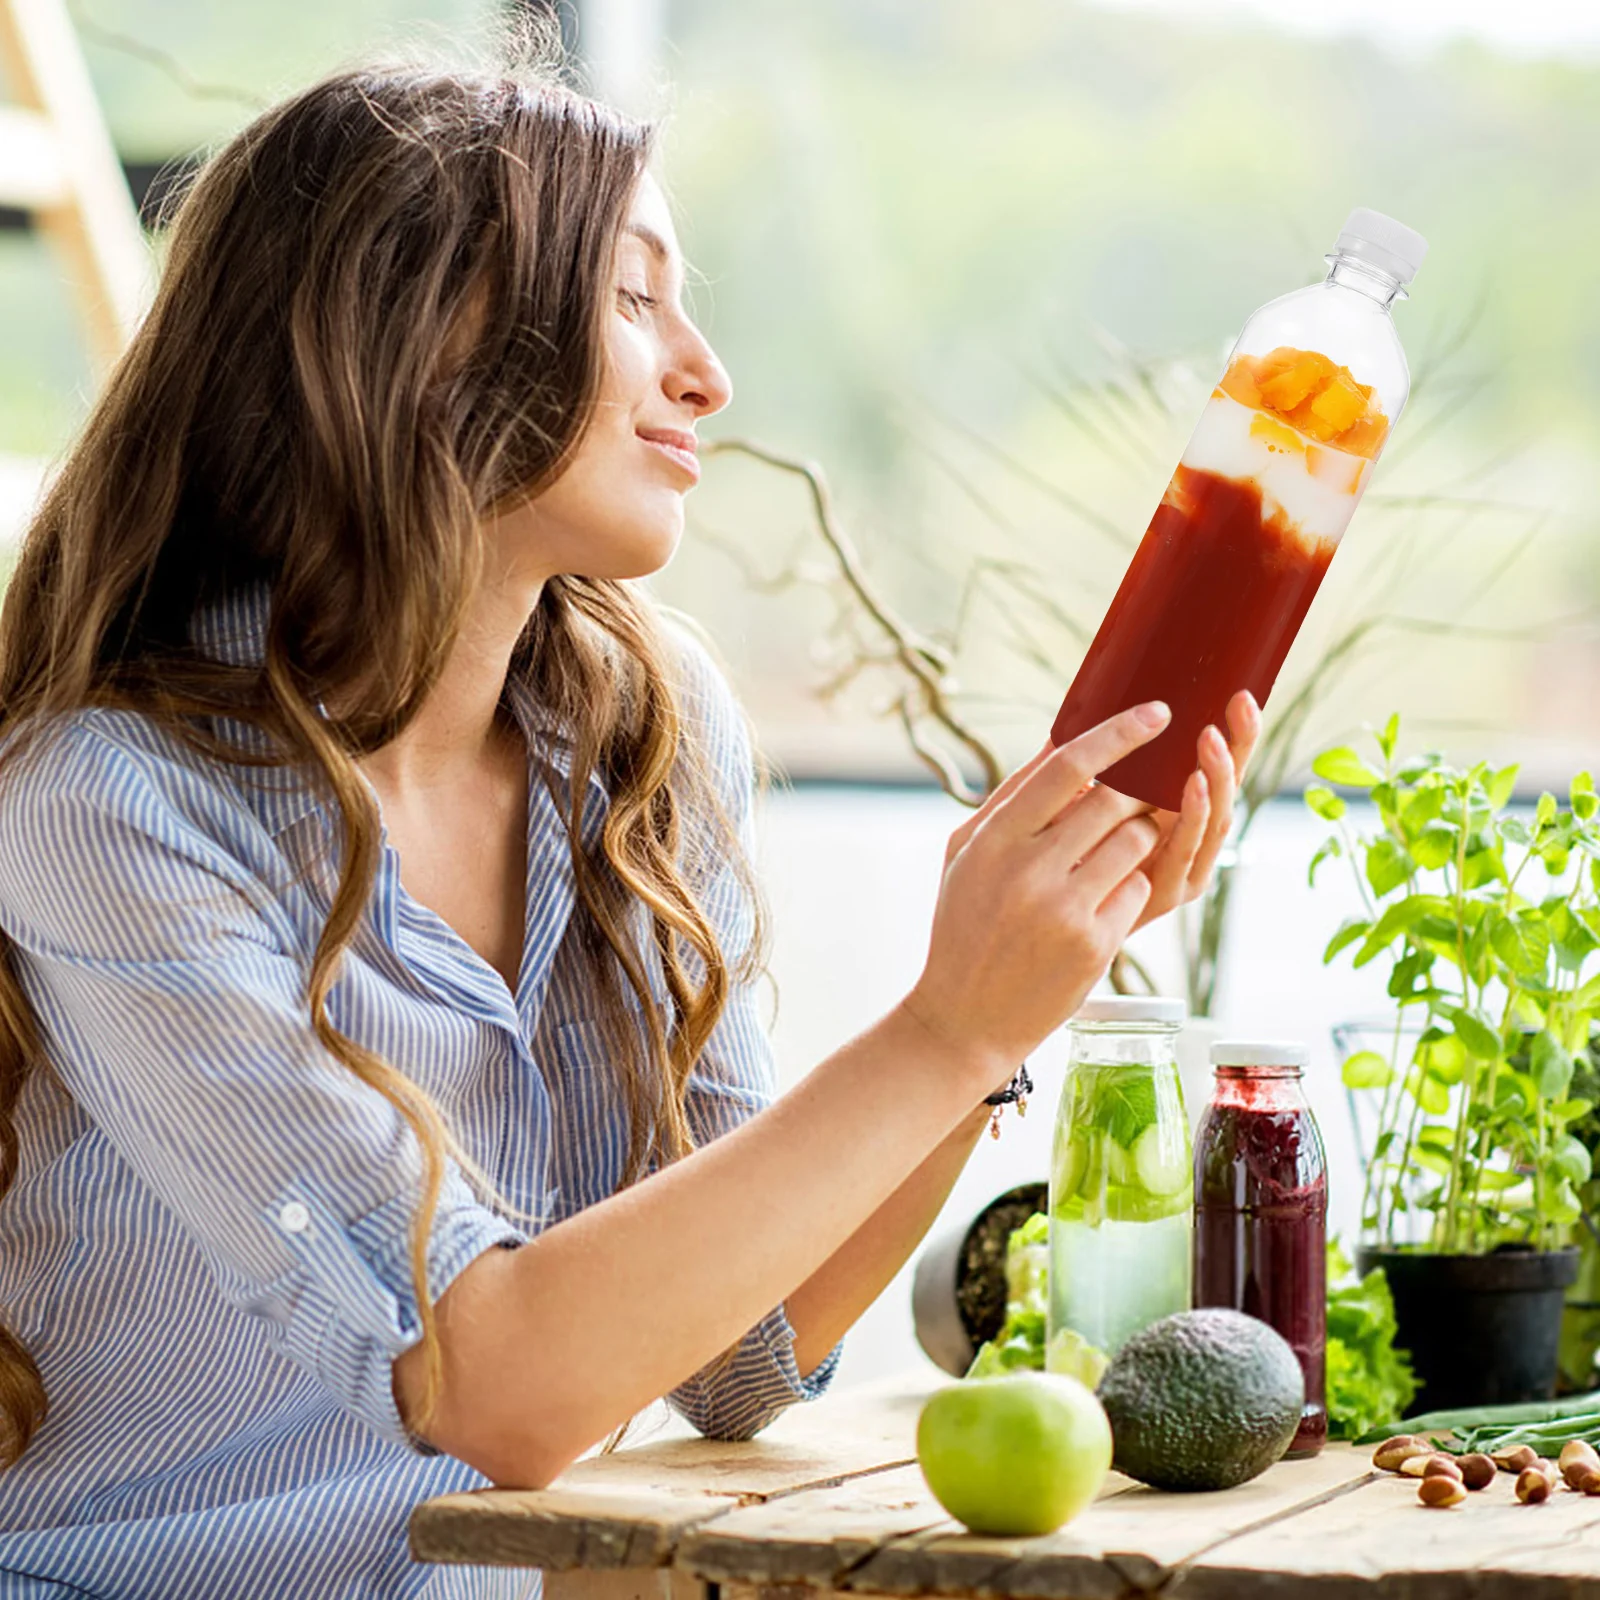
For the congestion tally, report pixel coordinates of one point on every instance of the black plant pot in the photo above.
(1482, 1330)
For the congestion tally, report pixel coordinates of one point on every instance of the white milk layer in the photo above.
(1313, 486)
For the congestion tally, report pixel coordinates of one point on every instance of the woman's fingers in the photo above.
(1244, 731)
(1193, 838)
(1170, 867)
(1059, 779)
(1119, 853)
(1121, 910)
(1219, 769)
(998, 798)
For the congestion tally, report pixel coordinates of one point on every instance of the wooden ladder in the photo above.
(58, 164)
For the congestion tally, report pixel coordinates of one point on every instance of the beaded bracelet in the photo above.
(1018, 1090)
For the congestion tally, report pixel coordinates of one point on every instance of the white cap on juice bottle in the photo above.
(1390, 246)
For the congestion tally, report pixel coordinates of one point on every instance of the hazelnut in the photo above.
(1440, 1490)
(1516, 1459)
(1389, 1455)
(1577, 1455)
(1584, 1479)
(1431, 1466)
(1533, 1486)
(1477, 1470)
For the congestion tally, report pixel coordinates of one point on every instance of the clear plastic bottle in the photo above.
(1261, 1209)
(1121, 1181)
(1238, 546)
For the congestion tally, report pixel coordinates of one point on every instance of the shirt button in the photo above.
(294, 1218)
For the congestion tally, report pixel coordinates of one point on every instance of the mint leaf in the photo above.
(1344, 767)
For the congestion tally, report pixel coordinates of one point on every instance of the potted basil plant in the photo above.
(1486, 920)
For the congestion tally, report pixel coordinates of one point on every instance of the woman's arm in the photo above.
(828, 1303)
(825, 1307)
(549, 1347)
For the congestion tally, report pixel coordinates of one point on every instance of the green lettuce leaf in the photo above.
(1019, 1346)
(1370, 1383)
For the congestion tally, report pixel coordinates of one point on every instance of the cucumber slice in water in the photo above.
(1158, 1162)
(1071, 1163)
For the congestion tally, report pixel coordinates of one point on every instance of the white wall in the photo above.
(852, 875)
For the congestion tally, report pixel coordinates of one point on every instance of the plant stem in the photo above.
(1372, 1188)
(1458, 1150)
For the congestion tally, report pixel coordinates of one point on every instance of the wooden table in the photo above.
(830, 1501)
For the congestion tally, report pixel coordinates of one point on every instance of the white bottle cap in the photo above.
(1390, 246)
(1131, 1008)
(1259, 1053)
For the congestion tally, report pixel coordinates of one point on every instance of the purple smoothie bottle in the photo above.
(1261, 1209)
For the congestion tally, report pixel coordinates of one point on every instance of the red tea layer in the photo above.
(1210, 605)
(1261, 1226)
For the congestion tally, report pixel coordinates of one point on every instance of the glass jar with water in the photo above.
(1121, 1182)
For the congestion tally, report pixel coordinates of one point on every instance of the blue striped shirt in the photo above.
(206, 1247)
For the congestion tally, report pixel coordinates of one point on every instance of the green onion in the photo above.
(1491, 1418)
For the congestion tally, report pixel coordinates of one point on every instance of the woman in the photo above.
(373, 893)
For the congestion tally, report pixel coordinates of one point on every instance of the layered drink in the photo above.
(1232, 558)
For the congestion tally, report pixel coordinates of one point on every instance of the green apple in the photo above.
(1014, 1455)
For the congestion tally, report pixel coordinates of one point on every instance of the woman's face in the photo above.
(616, 511)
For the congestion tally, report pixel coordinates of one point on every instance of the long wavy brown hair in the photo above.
(382, 314)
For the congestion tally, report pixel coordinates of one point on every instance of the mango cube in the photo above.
(1365, 438)
(1289, 389)
(1340, 403)
(1240, 382)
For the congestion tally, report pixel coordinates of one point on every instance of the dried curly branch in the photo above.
(927, 698)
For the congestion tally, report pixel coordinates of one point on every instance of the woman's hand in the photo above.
(1041, 886)
(1180, 866)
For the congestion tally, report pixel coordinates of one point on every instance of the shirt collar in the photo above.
(234, 630)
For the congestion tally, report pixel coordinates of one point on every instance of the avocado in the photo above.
(1202, 1400)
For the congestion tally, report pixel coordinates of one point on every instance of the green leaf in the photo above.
(1587, 995)
(1544, 813)
(1514, 829)
(1327, 805)
(1327, 849)
(1444, 1058)
(1571, 1159)
(1405, 914)
(1388, 866)
(1369, 1382)
(1551, 1066)
(1483, 866)
(1500, 786)
(1522, 942)
(1430, 1160)
(1390, 736)
(1408, 972)
(1428, 1092)
(1344, 767)
(1496, 1180)
(1351, 929)
(1560, 1204)
(1480, 1039)
(1581, 794)
(1434, 845)
(1421, 807)
(1569, 1110)
(1366, 1070)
